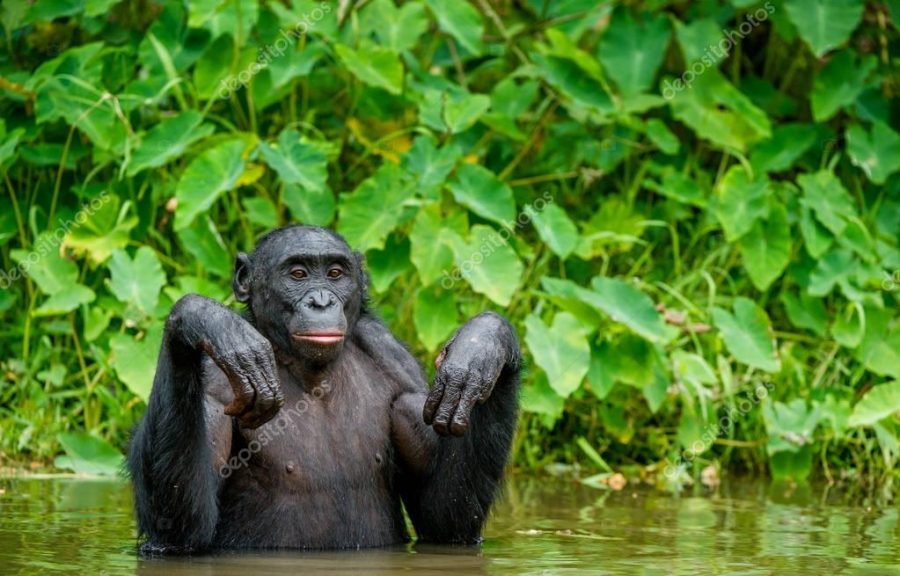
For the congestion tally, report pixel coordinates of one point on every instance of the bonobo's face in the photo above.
(305, 288)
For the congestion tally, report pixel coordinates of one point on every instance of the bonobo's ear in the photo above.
(363, 281)
(242, 278)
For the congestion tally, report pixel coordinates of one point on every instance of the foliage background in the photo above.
(701, 246)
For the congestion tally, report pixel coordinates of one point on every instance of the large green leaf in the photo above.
(879, 403)
(137, 281)
(134, 360)
(741, 202)
(203, 241)
(766, 249)
(431, 249)
(168, 140)
(877, 153)
(396, 28)
(632, 50)
(624, 303)
(747, 334)
(66, 301)
(373, 210)
(824, 194)
(488, 264)
(86, 454)
(43, 264)
(296, 162)
(824, 24)
(434, 316)
(561, 350)
(310, 206)
(462, 21)
(374, 65)
(206, 178)
(839, 84)
(483, 193)
(555, 228)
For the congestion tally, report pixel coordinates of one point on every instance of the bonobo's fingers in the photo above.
(453, 381)
(268, 398)
(459, 425)
(433, 401)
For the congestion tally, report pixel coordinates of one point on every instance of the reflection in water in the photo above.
(541, 527)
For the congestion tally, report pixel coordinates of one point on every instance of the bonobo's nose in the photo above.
(319, 300)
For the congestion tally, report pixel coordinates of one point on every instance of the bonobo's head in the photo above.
(305, 288)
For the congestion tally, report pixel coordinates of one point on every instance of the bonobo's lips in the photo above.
(323, 338)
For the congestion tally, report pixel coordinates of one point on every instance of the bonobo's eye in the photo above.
(298, 273)
(335, 272)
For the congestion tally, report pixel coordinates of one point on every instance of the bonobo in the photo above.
(304, 423)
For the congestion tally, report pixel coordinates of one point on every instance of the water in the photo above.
(55, 526)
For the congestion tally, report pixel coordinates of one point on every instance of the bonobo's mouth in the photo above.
(323, 338)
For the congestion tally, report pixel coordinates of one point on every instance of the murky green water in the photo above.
(541, 527)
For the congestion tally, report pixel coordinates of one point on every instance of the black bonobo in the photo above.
(303, 423)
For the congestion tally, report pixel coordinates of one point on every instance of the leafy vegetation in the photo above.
(690, 210)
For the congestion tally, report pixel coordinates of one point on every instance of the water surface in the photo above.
(55, 526)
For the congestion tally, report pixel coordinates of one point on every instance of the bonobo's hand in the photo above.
(467, 370)
(244, 355)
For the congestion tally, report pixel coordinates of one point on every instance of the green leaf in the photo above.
(430, 165)
(780, 152)
(662, 137)
(741, 202)
(373, 210)
(555, 228)
(463, 111)
(632, 50)
(626, 304)
(747, 334)
(373, 65)
(462, 21)
(766, 249)
(434, 316)
(561, 351)
(835, 268)
(106, 227)
(877, 153)
(478, 189)
(45, 266)
(167, 141)
(261, 211)
(385, 266)
(539, 398)
(840, 83)
(824, 194)
(135, 360)
(879, 403)
(86, 454)
(574, 83)
(137, 281)
(488, 264)
(806, 312)
(308, 206)
(65, 301)
(297, 162)
(396, 28)
(206, 178)
(824, 24)
(430, 248)
(204, 243)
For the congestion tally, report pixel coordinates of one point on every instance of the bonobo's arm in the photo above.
(172, 453)
(453, 443)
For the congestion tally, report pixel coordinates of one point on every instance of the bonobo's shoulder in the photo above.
(374, 339)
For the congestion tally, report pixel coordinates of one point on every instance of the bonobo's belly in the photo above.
(319, 475)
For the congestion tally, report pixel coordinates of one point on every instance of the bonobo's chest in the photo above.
(333, 434)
